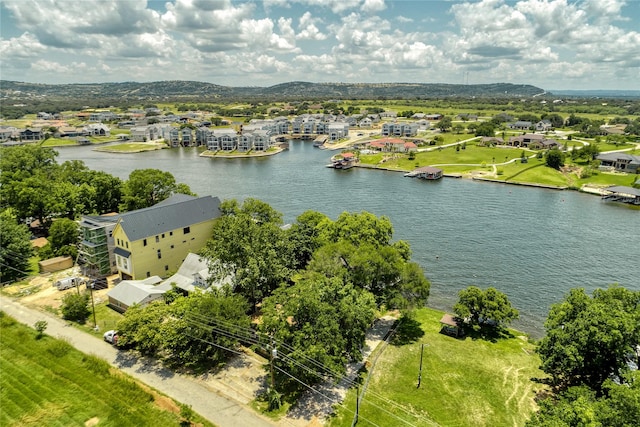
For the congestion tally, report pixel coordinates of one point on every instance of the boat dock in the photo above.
(426, 172)
(618, 193)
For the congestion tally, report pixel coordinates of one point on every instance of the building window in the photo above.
(187, 230)
(171, 246)
(163, 235)
(144, 242)
(157, 239)
(159, 254)
(148, 274)
(166, 268)
(171, 233)
(127, 244)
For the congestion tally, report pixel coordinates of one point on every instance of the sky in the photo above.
(552, 44)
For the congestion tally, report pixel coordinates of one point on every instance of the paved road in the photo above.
(215, 408)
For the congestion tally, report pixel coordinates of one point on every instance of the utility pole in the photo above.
(93, 307)
(357, 403)
(420, 371)
(274, 355)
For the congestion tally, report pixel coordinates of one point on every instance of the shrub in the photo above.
(40, 327)
(75, 307)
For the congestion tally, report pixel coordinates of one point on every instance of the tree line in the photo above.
(35, 189)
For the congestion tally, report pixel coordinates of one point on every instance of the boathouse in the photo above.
(618, 193)
(426, 172)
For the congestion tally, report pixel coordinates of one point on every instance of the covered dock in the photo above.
(618, 193)
(426, 172)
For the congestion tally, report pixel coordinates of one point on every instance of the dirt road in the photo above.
(221, 411)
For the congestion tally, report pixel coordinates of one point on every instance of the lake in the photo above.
(532, 244)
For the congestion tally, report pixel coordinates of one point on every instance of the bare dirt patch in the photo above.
(92, 422)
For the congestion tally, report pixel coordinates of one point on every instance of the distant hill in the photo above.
(629, 93)
(292, 90)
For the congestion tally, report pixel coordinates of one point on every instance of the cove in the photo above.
(532, 244)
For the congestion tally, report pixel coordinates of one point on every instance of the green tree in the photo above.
(26, 182)
(201, 326)
(146, 187)
(75, 307)
(249, 244)
(589, 339)
(444, 124)
(484, 308)
(63, 232)
(15, 247)
(486, 129)
(555, 158)
(317, 319)
(359, 228)
(619, 405)
(556, 119)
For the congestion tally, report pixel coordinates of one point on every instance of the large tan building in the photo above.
(154, 241)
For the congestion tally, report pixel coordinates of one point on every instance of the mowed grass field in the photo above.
(46, 382)
(465, 382)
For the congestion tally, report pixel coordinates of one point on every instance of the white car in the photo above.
(111, 337)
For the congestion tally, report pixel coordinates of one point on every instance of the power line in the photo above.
(287, 358)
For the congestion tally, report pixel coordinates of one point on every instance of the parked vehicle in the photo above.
(111, 337)
(69, 282)
(97, 284)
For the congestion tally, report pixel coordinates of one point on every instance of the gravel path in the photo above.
(221, 411)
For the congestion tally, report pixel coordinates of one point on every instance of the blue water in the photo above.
(533, 244)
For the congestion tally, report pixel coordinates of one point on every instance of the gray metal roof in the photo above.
(619, 189)
(176, 212)
(131, 292)
(617, 155)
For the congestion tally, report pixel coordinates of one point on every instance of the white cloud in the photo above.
(372, 6)
(25, 46)
(308, 29)
(259, 34)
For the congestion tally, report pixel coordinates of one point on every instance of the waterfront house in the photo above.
(96, 129)
(8, 132)
(186, 137)
(143, 133)
(337, 130)
(155, 240)
(393, 145)
(31, 134)
(619, 161)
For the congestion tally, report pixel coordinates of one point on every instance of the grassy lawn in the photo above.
(132, 147)
(540, 174)
(465, 382)
(57, 142)
(604, 179)
(472, 154)
(46, 382)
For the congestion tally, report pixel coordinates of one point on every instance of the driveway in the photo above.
(221, 411)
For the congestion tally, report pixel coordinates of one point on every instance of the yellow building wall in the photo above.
(174, 246)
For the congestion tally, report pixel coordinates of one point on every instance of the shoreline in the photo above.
(246, 155)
